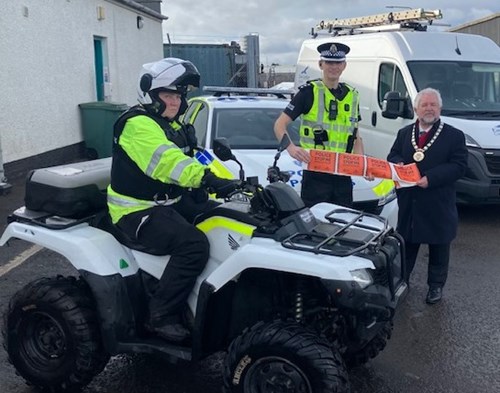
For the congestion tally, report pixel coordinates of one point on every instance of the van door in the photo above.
(378, 132)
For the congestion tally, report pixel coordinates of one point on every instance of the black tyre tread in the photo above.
(70, 297)
(297, 339)
(370, 350)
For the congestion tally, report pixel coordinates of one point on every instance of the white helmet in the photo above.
(170, 74)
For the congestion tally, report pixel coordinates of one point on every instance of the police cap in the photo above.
(333, 51)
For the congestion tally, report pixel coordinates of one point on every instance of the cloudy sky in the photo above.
(282, 25)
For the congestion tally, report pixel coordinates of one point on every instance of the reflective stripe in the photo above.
(384, 187)
(321, 103)
(143, 220)
(308, 143)
(156, 158)
(179, 167)
(127, 203)
(313, 124)
(176, 173)
(221, 222)
(355, 113)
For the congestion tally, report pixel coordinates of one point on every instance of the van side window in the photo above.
(390, 79)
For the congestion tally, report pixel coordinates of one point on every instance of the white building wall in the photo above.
(47, 67)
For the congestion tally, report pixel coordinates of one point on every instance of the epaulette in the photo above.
(351, 88)
(308, 83)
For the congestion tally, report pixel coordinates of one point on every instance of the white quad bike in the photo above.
(293, 295)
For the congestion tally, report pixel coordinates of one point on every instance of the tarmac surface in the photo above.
(450, 347)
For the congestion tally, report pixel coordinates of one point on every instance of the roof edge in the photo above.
(475, 22)
(139, 7)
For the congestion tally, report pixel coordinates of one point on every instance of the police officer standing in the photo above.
(157, 188)
(329, 113)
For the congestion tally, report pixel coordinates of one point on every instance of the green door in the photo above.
(99, 69)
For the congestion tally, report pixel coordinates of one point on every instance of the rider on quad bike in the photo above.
(157, 188)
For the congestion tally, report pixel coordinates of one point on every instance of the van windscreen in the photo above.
(464, 86)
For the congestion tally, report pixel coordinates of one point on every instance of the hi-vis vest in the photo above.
(150, 164)
(339, 130)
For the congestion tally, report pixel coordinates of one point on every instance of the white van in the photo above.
(464, 68)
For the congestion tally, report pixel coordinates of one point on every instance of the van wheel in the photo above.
(370, 350)
(52, 336)
(283, 357)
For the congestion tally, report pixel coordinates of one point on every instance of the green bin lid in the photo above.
(110, 106)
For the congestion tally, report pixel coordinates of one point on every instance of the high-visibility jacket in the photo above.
(151, 163)
(318, 131)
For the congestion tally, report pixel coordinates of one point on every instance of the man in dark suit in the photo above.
(427, 211)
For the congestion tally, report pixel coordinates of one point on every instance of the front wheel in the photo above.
(283, 357)
(51, 334)
(361, 356)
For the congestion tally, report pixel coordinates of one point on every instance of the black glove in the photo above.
(221, 187)
(191, 136)
(273, 174)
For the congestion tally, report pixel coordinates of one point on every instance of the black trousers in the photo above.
(437, 268)
(324, 187)
(166, 230)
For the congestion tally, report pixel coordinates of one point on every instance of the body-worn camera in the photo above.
(332, 110)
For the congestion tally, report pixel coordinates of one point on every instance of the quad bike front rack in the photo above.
(347, 232)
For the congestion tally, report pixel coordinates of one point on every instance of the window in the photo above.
(250, 128)
(464, 86)
(197, 115)
(390, 79)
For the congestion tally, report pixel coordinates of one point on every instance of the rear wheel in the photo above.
(51, 334)
(283, 357)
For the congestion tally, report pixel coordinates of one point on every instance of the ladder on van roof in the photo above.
(407, 19)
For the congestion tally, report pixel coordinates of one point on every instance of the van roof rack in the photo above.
(219, 91)
(412, 19)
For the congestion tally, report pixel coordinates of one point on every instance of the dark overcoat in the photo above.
(429, 215)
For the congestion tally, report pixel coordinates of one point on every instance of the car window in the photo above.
(250, 128)
(197, 115)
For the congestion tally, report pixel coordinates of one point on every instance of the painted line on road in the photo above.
(20, 259)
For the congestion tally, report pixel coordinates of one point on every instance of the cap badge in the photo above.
(333, 48)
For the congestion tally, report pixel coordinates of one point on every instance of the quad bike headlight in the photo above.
(362, 277)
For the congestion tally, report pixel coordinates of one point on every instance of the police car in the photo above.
(245, 117)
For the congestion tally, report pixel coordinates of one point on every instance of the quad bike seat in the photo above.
(102, 220)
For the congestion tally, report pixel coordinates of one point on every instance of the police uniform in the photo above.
(149, 200)
(329, 121)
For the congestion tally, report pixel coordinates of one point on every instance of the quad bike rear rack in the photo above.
(45, 219)
(347, 232)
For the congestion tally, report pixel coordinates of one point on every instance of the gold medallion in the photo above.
(418, 155)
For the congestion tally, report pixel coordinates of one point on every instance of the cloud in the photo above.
(282, 25)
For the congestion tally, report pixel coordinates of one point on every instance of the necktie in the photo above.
(422, 137)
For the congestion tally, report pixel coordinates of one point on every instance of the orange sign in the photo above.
(407, 173)
(351, 164)
(358, 165)
(378, 168)
(322, 161)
